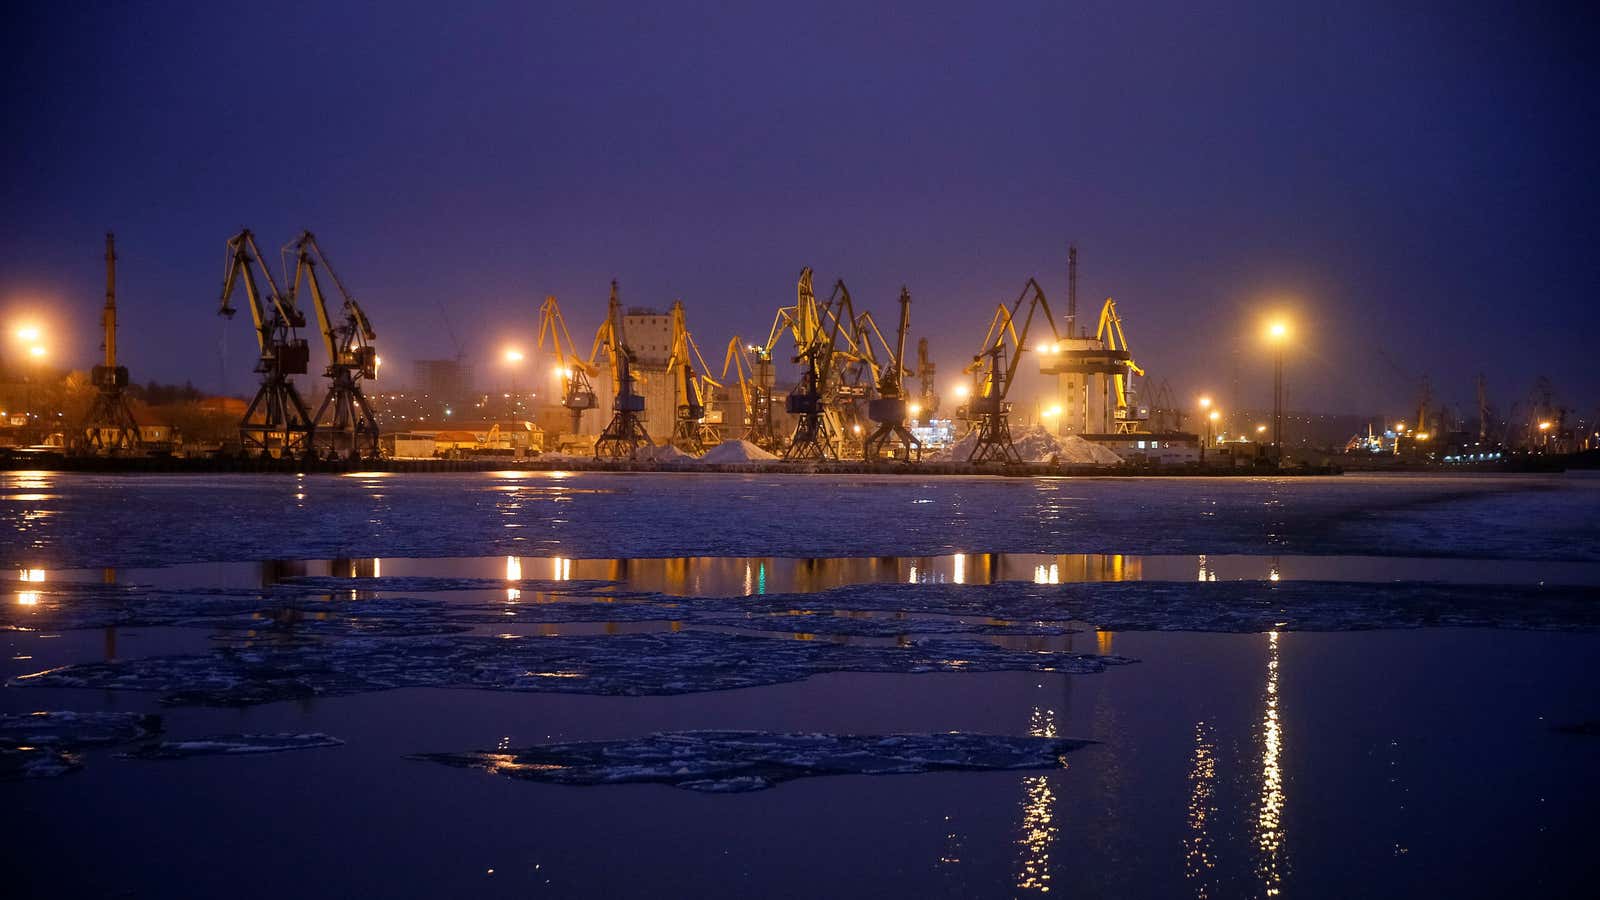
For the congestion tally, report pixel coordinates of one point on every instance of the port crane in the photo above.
(577, 393)
(891, 407)
(989, 410)
(692, 428)
(276, 423)
(345, 425)
(109, 426)
(755, 390)
(1109, 333)
(815, 328)
(625, 433)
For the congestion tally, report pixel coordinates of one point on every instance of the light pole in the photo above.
(1278, 334)
(31, 336)
(1205, 424)
(513, 360)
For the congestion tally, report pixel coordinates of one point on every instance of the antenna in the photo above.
(1072, 290)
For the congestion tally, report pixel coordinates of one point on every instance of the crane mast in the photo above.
(345, 425)
(892, 439)
(276, 423)
(109, 427)
(625, 433)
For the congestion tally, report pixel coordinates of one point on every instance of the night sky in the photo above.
(1414, 187)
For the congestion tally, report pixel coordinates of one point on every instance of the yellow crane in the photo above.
(1109, 333)
(815, 328)
(989, 410)
(625, 433)
(109, 426)
(891, 439)
(345, 425)
(755, 391)
(692, 429)
(276, 423)
(577, 393)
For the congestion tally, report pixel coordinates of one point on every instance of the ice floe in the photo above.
(740, 761)
(232, 745)
(624, 664)
(43, 744)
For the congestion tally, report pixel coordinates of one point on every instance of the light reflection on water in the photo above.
(1038, 832)
(1269, 815)
(1199, 855)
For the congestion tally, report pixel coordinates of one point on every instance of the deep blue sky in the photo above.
(1413, 183)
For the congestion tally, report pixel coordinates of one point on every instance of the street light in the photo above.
(513, 358)
(1277, 335)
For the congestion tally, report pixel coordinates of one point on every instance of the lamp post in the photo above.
(32, 337)
(1205, 425)
(513, 359)
(1278, 334)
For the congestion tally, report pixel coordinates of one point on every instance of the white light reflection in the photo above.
(1198, 859)
(561, 568)
(960, 576)
(513, 573)
(27, 598)
(1269, 817)
(35, 575)
(1038, 816)
(1047, 575)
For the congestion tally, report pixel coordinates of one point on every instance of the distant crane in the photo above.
(1109, 332)
(691, 431)
(891, 407)
(815, 328)
(755, 390)
(625, 433)
(989, 410)
(276, 423)
(345, 425)
(109, 426)
(577, 394)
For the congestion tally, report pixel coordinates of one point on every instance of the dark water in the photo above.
(1370, 763)
(1325, 765)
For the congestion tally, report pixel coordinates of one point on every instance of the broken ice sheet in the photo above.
(626, 664)
(232, 745)
(738, 761)
(41, 744)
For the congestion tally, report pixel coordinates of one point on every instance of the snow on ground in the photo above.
(739, 761)
(734, 452)
(1035, 444)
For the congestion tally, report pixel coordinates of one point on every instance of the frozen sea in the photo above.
(634, 685)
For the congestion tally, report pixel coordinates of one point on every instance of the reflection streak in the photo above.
(1269, 817)
(1038, 816)
(1198, 859)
